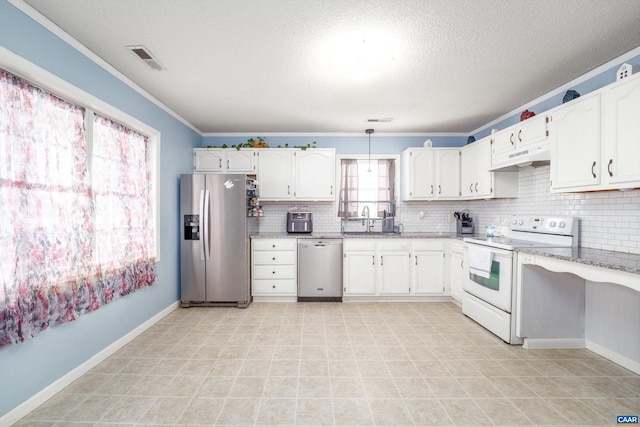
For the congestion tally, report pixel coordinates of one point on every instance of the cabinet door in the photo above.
(468, 170)
(621, 146)
(208, 160)
(315, 174)
(484, 179)
(421, 170)
(428, 272)
(575, 144)
(241, 161)
(456, 274)
(275, 170)
(531, 130)
(448, 174)
(394, 272)
(504, 141)
(359, 273)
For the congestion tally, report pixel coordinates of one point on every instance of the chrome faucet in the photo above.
(365, 211)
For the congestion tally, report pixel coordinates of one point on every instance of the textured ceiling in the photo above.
(328, 66)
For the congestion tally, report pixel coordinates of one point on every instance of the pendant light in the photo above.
(369, 132)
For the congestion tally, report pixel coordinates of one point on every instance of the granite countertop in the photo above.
(621, 261)
(374, 235)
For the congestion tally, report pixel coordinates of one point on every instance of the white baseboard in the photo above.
(553, 343)
(399, 298)
(623, 361)
(48, 392)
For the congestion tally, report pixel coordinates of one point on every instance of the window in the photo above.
(367, 183)
(77, 204)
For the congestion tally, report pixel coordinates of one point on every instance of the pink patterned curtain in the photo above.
(51, 266)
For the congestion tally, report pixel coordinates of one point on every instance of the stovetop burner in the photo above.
(535, 232)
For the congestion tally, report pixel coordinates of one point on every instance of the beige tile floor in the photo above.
(353, 364)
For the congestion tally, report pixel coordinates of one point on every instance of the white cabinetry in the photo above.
(315, 174)
(517, 137)
(394, 271)
(431, 173)
(456, 268)
(621, 143)
(293, 174)
(428, 266)
(575, 145)
(376, 267)
(273, 267)
(393, 267)
(224, 160)
(275, 174)
(476, 181)
(596, 140)
(359, 267)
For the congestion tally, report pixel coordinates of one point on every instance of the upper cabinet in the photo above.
(575, 148)
(621, 126)
(477, 182)
(431, 173)
(294, 174)
(315, 174)
(224, 160)
(527, 139)
(596, 140)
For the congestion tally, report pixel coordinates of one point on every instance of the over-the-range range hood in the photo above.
(533, 155)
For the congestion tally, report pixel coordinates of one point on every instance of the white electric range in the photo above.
(489, 290)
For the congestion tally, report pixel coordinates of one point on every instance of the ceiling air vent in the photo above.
(144, 54)
(386, 120)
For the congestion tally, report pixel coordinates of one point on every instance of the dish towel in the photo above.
(480, 261)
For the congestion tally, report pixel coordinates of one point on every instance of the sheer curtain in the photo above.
(386, 186)
(50, 270)
(348, 206)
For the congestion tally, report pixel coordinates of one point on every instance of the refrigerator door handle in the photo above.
(200, 225)
(207, 254)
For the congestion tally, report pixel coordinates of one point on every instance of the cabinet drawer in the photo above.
(274, 271)
(270, 287)
(358, 244)
(274, 244)
(274, 257)
(428, 245)
(393, 245)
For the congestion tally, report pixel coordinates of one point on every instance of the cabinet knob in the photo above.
(274, 258)
(274, 286)
(273, 272)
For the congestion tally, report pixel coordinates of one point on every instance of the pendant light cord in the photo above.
(369, 132)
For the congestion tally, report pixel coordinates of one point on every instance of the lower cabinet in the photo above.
(428, 267)
(273, 267)
(456, 268)
(393, 267)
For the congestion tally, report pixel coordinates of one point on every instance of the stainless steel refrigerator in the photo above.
(214, 239)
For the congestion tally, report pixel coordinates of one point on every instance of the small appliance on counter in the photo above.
(464, 223)
(299, 221)
(387, 223)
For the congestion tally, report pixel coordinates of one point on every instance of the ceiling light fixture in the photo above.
(144, 54)
(369, 132)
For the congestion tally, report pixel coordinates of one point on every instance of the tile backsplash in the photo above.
(609, 219)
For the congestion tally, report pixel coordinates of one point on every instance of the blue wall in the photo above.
(349, 144)
(594, 83)
(31, 366)
(27, 368)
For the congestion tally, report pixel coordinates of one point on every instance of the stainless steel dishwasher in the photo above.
(319, 270)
